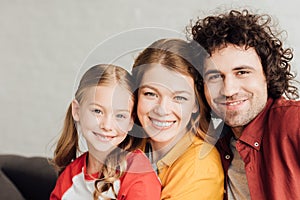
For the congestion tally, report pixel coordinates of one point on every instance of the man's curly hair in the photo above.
(242, 28)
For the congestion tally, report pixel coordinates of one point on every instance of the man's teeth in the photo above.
(162, 124)
(234, 103)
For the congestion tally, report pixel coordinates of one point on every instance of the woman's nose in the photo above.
(163, 107)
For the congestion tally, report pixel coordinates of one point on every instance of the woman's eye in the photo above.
(180, 98)
(150, 94)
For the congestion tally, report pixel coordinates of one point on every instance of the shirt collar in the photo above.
(253, 132)
(177, 150)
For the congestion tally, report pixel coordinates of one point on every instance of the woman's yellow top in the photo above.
(191, 170)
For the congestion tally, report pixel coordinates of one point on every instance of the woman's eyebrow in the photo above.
(147, 86)
(182, 91)
(173, 92)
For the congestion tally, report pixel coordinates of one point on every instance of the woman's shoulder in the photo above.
(200, 152)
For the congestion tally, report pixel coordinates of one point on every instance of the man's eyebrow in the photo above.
(215, 71)
(242, 67)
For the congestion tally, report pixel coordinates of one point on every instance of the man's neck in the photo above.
(237, 131)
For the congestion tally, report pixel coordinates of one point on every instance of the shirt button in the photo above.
(256, 144)
(227, 157)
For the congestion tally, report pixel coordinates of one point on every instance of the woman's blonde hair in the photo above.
(67, 146)
(175, 55)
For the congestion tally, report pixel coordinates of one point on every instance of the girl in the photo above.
(113, 167)
(168, 111)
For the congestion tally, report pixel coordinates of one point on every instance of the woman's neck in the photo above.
(160, 149)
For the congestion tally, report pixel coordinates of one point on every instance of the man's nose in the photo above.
(230, 86)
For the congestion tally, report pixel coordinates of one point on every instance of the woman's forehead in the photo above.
(160, 75)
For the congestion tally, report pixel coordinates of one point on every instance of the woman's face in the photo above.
(166, 101)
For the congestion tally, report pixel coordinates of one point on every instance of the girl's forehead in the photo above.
(114, 96)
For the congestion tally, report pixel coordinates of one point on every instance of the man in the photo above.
(245, 77)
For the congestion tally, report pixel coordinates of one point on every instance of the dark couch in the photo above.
(31, 178)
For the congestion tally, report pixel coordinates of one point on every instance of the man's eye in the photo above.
(242, 72)
(214, 77)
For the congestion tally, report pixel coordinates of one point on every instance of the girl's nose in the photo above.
(106, 123)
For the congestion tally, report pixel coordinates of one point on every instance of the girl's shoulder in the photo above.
(75, 167)
(137, 162)
(66, 179)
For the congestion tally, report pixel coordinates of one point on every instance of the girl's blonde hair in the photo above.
(67, 146)
(179, 56)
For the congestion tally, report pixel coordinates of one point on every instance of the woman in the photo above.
(168, 111)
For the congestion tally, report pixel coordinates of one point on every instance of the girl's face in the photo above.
(166, 101)
(104, 116)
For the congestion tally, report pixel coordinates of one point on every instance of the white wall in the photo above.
(44, 45)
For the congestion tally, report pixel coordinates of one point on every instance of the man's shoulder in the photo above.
(282, 102)
(283, 108)
(285, 115)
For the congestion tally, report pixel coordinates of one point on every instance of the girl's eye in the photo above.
(121, 116)
(180, 98)
(97, 111)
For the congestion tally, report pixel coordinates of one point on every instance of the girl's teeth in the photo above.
(103, 138)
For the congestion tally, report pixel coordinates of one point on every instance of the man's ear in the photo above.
(75, 110)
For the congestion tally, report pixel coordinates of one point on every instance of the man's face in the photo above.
(235, 85)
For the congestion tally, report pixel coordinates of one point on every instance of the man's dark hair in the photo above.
(242, 28)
